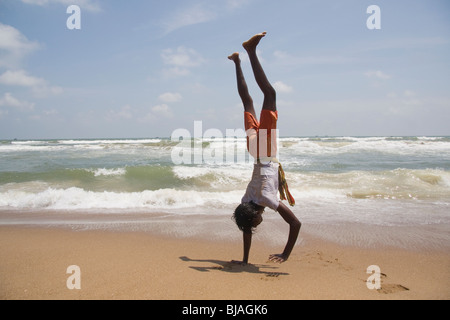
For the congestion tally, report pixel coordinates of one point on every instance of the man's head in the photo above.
(248, 216)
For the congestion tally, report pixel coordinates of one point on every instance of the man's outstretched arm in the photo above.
(247, 241)
(294, 230)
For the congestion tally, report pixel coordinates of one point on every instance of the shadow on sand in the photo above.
(228, 266)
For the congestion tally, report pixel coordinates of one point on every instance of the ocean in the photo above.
(379, 181)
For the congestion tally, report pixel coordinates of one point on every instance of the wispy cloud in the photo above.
(187, 16)
(21, 78)
(156, 113)
(180, 61)
(124, 113)
(170, 97)
(403, 103)
(282, 87)
(88, 5)
(377, 74)
(162, 110)
(237, 4)
(14, 46)
(182, 57)
(200, 12)
(8, 100)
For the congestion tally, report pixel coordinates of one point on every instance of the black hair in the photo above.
(244, 215)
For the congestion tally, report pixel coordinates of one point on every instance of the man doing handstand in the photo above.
(261, 143)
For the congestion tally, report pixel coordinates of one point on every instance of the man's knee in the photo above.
(270, 98)
(247, 101)
(270, 93)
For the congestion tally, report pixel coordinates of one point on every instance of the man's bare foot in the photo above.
(235, 57)
(241, 263)
(254, 41)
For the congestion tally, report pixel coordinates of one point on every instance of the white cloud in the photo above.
(9, 101)
(14, 46)
(402, 103)
(282, 87)
(182, 57)
(409, 93)
(200, 12)
(20, 78)
(184, 17)
(124, 113)
(180, 60)
(377, 74)
(39, 86)
(156, 112)
(89, 5)
(170, 97)
(175, 72)
(51, 112)
(237, 4)
(162, 110)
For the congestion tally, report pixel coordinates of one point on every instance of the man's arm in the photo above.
(294, 230)
(247, 239)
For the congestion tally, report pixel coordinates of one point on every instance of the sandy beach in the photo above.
(132, 137)
(144, 265)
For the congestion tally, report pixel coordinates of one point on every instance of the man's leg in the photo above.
(242, 85)
(263, 83)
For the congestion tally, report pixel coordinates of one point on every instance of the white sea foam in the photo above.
(313, 207)
(29, 142)
(124, 141)
(77, 199)
(429, 184)
(371, 179)
(377, 144)
(28, 147)
(236, 172)
(58, 145)
(310, 146)
(108, 172)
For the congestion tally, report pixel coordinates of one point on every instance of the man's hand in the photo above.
(277, 258)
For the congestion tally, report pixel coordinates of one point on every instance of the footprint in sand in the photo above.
(325, 261)
(273, 274)
(389, 288)
(270, 276)
(392, 288)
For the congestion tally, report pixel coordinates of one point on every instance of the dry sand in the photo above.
(141, 265)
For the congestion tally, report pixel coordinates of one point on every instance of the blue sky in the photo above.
(146, 68)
